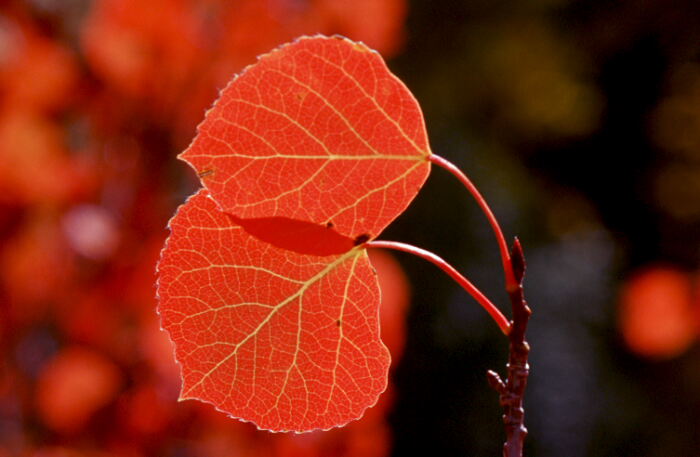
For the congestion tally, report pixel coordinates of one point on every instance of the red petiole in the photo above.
(453, 273)
(511, 389)
(511, 283)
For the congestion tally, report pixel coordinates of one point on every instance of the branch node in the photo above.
(513, 390)
(496, 382)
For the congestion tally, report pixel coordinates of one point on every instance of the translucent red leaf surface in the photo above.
(285, 340)
(298, 236)
(318, 131)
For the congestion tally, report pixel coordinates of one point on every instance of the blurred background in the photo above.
(578, 120)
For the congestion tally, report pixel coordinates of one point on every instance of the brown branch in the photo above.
(512, 390)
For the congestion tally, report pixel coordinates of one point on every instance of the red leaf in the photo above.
(319, 131)
(285, 340)
(298, 236)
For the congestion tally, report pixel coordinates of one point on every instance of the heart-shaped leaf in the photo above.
(319, 131)
(286, 340)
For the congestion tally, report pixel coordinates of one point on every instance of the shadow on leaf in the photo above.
(297, 236)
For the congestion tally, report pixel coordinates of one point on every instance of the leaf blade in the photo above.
(318, 130)
(284, 340)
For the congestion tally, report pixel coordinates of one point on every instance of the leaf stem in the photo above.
(490, 308)
(511, 283)
(512, 390)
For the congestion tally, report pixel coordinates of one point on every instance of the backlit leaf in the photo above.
(318, 131)
(286, 340)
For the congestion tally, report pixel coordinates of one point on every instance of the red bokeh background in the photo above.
(96, 101)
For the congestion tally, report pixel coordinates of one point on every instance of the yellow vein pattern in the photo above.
(284, 340)
(421, 148)
(319, 131)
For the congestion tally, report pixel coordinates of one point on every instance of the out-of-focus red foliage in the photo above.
(73, 385)
(33, 145)
(146, 50)
(658, 316)
(396, 296)
(96, 100)
(178, 53)
(36, 267)
(36, 73)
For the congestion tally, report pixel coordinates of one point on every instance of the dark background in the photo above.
(573, 119)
